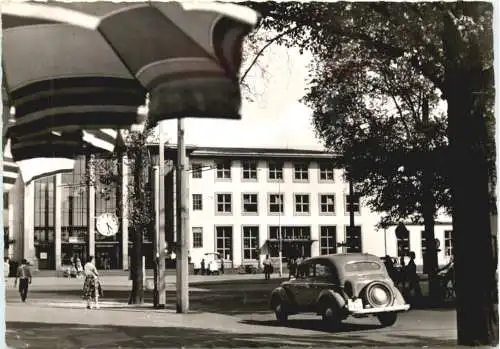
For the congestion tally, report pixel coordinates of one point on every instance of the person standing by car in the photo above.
(267, 267)
(24, 276)
(413, 290)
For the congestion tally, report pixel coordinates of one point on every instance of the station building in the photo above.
(239, 199)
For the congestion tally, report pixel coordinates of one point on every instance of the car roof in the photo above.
(341, 258)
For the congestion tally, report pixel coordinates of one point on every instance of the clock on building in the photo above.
(107, 224)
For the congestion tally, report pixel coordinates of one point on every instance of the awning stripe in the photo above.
(74, 121)
(67, 145)
(10, 169)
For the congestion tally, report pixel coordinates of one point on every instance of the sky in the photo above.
(275, 118)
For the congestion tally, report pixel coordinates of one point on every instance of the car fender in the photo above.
(278, 293)
(331, 294)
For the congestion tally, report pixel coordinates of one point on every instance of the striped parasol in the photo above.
(95, 61)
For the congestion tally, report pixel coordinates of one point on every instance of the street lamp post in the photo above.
(280, 253)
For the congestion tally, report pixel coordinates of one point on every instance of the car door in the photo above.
(304, 289)
(326, 278)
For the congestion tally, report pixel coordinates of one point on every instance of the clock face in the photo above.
(107, 224)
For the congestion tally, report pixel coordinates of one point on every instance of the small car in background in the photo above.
(337, 286)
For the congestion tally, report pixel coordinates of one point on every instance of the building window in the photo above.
(223, 169)
(197, 202)
(326, 172)
(44, 230)
(224, 204)
(328, 240)
(448, 243)
(403, 245)
(276, 203)
(197, 237)
(353, 239)
(249, 170)
(301, 172)
(352, 200)
(250, 203)
(224, 236)
(296, 241)
(250, 242)
(290, 233)
(423, 242)
(327, 204)
(196, 168)
(275, 171)
(302, 203)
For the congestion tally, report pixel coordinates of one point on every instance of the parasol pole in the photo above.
(182, 283)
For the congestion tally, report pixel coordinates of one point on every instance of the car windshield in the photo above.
(362, 266)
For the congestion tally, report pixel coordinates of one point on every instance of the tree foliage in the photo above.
(373, 118)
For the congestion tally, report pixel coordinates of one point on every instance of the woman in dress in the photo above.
(91, 286)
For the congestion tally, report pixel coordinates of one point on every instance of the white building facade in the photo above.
(241, 198)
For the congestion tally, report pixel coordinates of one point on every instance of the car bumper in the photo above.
(366, 311)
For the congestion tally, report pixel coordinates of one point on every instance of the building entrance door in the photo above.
(68, 251)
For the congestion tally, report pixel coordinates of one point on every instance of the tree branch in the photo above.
(268, 43)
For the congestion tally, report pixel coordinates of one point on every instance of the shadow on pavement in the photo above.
(46, 335)
(313, 325)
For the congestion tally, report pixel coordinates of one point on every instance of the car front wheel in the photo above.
(330, 314)
(280, 312)
(387, 319)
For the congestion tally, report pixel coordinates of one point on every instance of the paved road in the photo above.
(224, 314)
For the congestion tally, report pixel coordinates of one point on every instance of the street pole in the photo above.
(351, 211)
(280, 253)
(182, 283)
(162, 292)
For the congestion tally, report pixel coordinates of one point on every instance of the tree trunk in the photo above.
(475, 267)
(137, 294)
(429, 211)
(477, 314)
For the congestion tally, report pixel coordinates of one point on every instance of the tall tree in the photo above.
(451, 44)
(377, 119)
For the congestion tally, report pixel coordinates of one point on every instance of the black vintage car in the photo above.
(338, 285)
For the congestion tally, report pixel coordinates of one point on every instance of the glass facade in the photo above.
(74, 217)
(44, 222)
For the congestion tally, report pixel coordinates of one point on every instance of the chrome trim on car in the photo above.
(392, 308)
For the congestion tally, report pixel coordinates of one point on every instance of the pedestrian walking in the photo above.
(24, 276)
(6, 268)
(267, 268)
(412, 284)
(91, 286)
(222, 265)
(292, 268)
(203, 266)
(78, 267)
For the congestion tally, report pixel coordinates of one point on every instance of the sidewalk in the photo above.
(123, 281)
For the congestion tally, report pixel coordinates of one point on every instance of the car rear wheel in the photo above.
(330, 313)
(387, 319)
(280, 311)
